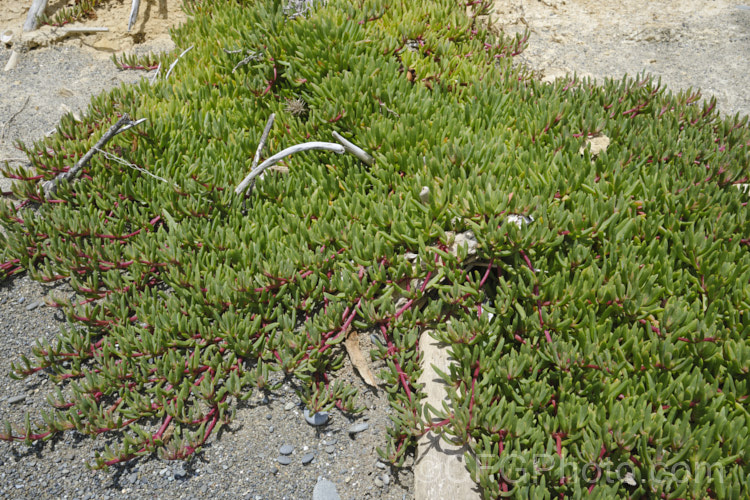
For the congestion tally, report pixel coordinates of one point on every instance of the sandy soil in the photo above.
(687, 43)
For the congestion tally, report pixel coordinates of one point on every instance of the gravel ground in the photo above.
(244, 461)
(689, 43)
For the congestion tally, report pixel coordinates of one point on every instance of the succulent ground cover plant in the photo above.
(600, 326)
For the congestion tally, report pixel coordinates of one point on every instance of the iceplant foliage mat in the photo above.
(595, 298)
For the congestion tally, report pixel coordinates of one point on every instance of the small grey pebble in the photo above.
(264, 400)
(271, 429)
(3, 300)
(330, 449)
(316, 419)
(306, 459)
(33, 305)
(132, 477)
(289, 406)
(283, 460)
(386, 479)
(274, 470)
(22, 300)
(287, 449)
(380, 465)
(16, 399)
(357, 428)
(325, 490)
(269, 416)
(379, 482)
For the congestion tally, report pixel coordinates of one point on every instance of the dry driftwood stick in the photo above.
(85, 29)
(156, 75)
(131, 125)
(32, 18)
(258, 151)
(263, 139)
(133, 13)
(171, 66)
(355, 150)
(50, 186)
(307, 146)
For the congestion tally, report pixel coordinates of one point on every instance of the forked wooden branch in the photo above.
(257, 170)
(298, 148)
(50, 187)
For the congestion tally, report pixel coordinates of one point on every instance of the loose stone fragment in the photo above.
(306, 459)
(325, 490)
(316, 419)
(287, 449)
(357, 428)
(284, 460)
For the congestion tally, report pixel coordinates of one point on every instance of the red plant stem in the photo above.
(163, 428)
(401, 375)
(536, 293)
(473, 384)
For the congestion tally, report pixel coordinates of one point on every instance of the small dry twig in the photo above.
(263, 139)
(382, 105)
(171, 66)
(251, 56)
(50, 187)
(126, 163)
(258, 152)
(5, 125)
(156, 75)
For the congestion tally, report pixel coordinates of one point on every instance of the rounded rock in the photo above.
(284, 460)
(325, 490)
(357, 428)
(316, 419)
(306, 459)
(16, 399)
(287, 449)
